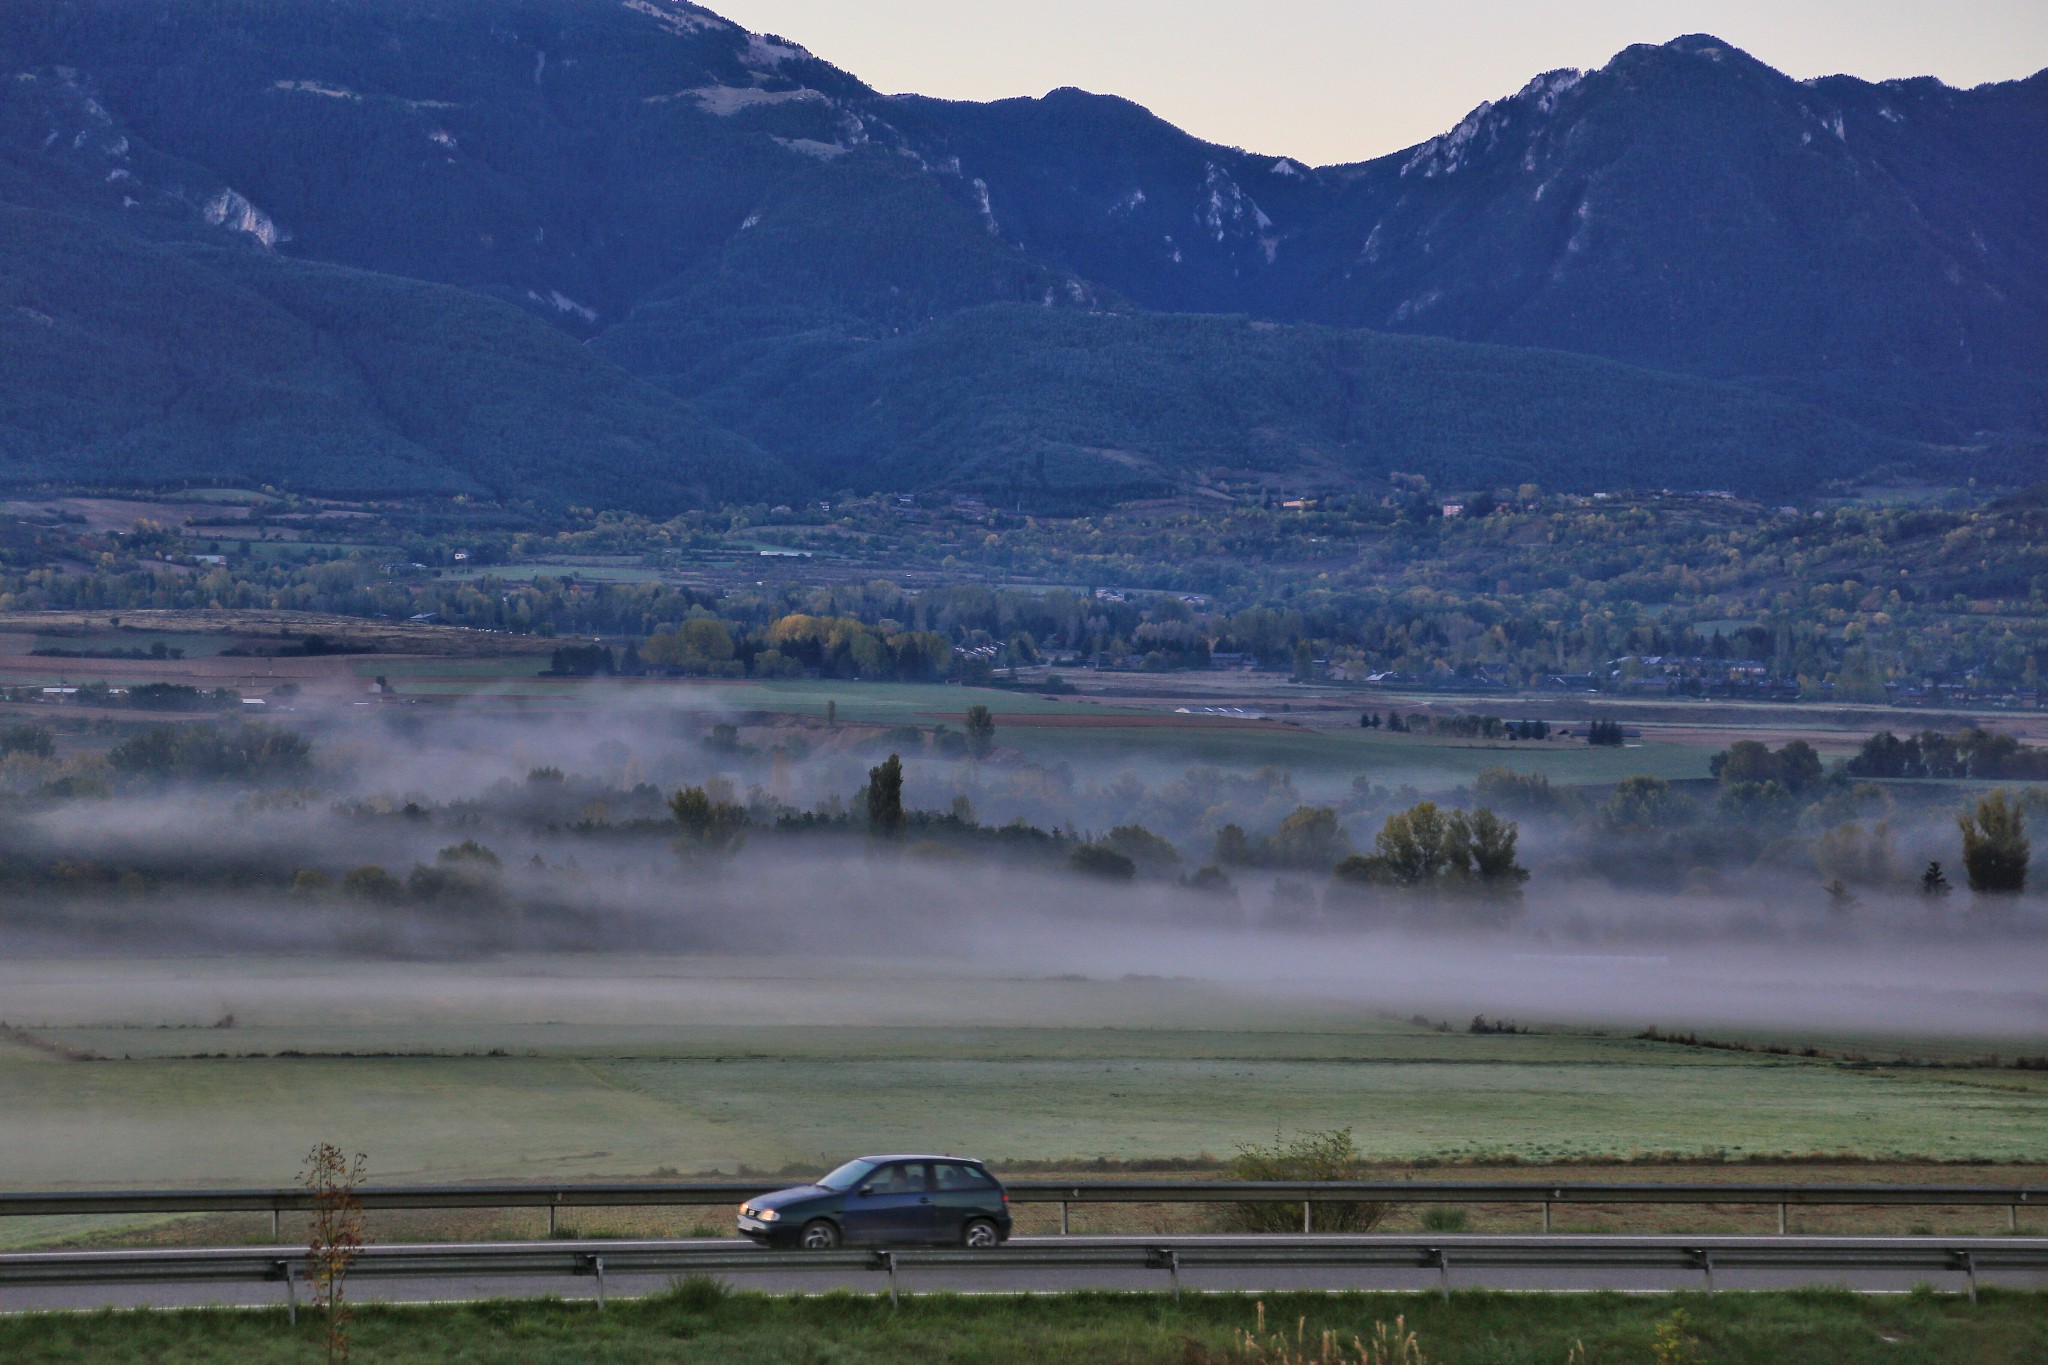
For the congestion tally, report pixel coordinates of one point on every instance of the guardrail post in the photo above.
(2012, 1217)
(1173, 1271)
(1308, 1219)
(551, 1219)
(276, 1224)
(1063, 1217)
(1970, 1269)
(889, 1264)
(597, 1263)
(1781, 1220)
(291, 1294)
(1546, 1218)
(1707, 1262)
(1443, 1271)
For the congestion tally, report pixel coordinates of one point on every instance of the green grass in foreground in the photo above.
(698, 1324)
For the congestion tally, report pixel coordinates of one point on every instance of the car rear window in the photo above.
(953, 1175)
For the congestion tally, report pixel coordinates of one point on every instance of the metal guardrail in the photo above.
(1308, 1194)
(289, 1266)
(553, 1198)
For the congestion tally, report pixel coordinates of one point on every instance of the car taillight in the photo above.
(1006, 1196)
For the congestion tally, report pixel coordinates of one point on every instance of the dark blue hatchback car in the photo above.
(885, 1200)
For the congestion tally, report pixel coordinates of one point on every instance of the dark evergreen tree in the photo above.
(885, 796)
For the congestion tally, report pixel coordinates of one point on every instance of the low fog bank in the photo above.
(414, 838)
(1993, 989)
(1678, 962)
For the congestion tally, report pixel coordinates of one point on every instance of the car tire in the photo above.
(980, 1235)
(820, 1234)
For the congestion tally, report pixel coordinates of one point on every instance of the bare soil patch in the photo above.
(379, 637)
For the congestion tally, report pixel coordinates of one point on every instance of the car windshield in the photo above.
(847, 1176)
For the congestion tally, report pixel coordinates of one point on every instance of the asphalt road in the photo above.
(971, 1280)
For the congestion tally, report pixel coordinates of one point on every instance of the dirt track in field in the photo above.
(1132, 720)
(418, 639)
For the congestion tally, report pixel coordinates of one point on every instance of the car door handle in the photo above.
(926, 1200)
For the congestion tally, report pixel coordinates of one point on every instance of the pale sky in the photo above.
(1342, 80)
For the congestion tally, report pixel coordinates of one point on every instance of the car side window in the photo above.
(952, 1175)
(904, 1177)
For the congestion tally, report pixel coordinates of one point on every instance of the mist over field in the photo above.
(550, 833)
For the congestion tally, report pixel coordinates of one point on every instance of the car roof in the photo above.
(923, 1156)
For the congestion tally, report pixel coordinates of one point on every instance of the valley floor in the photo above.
(614, 1068)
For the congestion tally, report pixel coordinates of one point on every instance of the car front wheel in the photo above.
(980, 1235)
(820, 1234)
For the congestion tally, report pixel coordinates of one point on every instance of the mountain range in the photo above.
(626, 253)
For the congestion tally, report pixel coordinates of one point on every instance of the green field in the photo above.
(626, 1067)
(1383, 758)
(1309, 752)
(194, 644)
(697, 1322)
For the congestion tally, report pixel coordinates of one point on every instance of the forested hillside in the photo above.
(1835, 278)
(135, 363)
(1063, 408)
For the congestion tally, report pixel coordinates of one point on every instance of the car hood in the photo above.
(795, 1194)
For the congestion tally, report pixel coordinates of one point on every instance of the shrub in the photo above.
(469, 851)
(28, 739)
(1795, 767)
(1644, 803)
(697, 1293)
(212, 751)
(581, 661)
(464, 885)
(1146, 850)
(1508, 790)
(373, 884)
(1326, 1155)
(707, 818)
(1427, 848)
(1309, 839)
(163, 696)
(1095, 860)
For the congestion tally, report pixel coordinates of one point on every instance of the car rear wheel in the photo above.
(980, 1235)
(820, 1234)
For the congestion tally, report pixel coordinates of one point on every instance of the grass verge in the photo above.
(700, 1322)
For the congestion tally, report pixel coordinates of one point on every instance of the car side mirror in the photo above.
(865, 1190)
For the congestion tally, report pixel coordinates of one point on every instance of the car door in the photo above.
(960, 1192)
(894, 1204)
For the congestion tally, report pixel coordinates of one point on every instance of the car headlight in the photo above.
(766, 1215)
